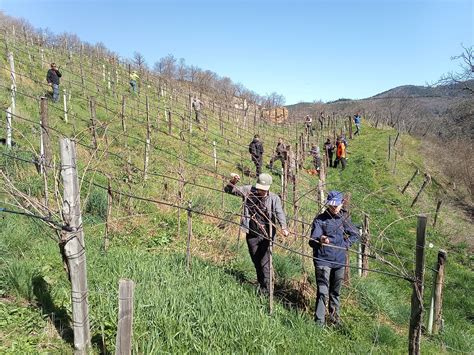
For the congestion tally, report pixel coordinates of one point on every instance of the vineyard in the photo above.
(150, 180)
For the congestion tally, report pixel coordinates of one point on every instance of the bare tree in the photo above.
(465, 75)
(139, 61)
(166, 67)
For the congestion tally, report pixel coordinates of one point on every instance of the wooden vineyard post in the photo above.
(389, 148)
(65, 105)
(9, 127)
(350, 127)
(409, 181)
(123, 343)
(438, 207)
(93, 121)
(435, 319)
(359, 256)
(414, 334)
(365, 242)
(45, 132)
(109, 213)
(270, 277)
(169, 121)
(73, 246)
(214, 153)
(13, 86)
(426, 182)
(320, 196)
(188, 241)
(147, 143)
(122, 115)
(303, 244)
(283, 186)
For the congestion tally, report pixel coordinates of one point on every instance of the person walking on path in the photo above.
(357, 119)
(279, 154)
(256, 152)
(340, 153)
(134, 81)
(329, 242)
(197, 106)
(52, 77)
(329, 148)
(262, 208)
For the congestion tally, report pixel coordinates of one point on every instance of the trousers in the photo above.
(259, 250)
(55, 92)
(257, 160)
(343, 162)
(329, 281)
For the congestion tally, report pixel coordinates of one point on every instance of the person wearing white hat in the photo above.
(262, 209)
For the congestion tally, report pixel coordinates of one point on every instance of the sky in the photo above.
(304, 50)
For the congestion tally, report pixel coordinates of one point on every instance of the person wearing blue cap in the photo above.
(332, 233)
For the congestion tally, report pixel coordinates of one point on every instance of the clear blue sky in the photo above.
(305, 50)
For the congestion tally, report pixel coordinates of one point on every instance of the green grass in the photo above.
(215, 308)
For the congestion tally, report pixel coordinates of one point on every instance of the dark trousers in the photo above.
(259, 250)
(197, 115)
(330, 155)
(343, 162)
(329, 281)
(258, 164)
(276, 157)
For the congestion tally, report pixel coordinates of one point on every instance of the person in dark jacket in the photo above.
(256, 152)
(52, 77)
(332, 233)
(329, 148)
(262, 209)
(279, 154)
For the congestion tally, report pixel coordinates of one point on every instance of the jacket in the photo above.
(280, 149)
(272, 203)
(341, 150)
(329, 147)
(256, 148)
(134, 76)
(336, 228)
(52, 77)
(197, 105)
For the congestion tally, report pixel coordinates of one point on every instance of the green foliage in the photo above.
(97, 203)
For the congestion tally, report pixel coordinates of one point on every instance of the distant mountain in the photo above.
(443, 111)
(455, 90)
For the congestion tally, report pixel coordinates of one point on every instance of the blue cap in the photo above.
(334, 198)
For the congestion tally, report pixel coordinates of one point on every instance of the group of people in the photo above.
(335, 152)
(332, 233)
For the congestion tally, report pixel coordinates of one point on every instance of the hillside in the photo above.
(142, 160)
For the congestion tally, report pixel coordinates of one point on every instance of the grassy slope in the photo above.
(215, 307)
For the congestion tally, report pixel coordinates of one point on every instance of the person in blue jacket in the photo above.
(357, 124)
(332, 233)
